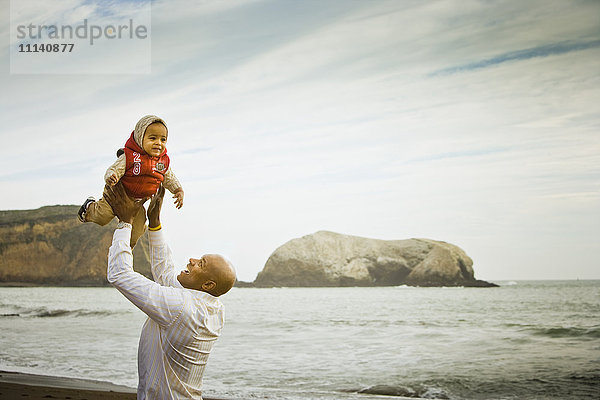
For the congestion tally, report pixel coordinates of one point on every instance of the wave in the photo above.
(404, 287)
(583, 384)
(567, 332)
(46, 313)
(560, 331)
(416, 392)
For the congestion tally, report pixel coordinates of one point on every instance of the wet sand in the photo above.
(14, 385)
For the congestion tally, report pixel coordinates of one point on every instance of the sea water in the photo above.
(522, 340)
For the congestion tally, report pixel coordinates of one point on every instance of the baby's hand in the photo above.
(178, 196)
(112, 181)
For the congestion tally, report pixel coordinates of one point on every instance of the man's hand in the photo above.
(178, 196)
(124, 207)
(154, 208)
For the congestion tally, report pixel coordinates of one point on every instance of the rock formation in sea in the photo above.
(332, 259)
(49, 246)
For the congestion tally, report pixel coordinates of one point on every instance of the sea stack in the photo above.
(333, 259)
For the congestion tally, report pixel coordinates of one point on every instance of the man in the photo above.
(185, 315)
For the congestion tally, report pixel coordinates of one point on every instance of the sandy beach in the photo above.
(14, 385)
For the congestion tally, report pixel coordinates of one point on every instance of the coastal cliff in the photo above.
(49, 246)
(332, 259)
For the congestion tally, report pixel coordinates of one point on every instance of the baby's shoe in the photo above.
(84, 207)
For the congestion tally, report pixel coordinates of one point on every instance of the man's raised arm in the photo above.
(162, 304)
(161, 258)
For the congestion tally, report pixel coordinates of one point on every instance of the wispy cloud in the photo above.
(194, 150)
(57, 169)
(461, 154)
(521, 55)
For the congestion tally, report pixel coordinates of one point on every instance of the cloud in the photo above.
(68, 170)
(461, 154)
(519, 55)
(289, 117)
(193, 151)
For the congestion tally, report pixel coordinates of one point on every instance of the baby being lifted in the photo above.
(142, 166)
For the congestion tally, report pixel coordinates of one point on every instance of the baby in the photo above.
(141, 167)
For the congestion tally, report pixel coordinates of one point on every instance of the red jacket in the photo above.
(143, 172)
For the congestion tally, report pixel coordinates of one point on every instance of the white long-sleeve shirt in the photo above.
(182, 324)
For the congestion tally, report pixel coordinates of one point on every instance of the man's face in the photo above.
(155, 139)
(198, 271)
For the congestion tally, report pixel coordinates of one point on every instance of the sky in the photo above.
(471, 122)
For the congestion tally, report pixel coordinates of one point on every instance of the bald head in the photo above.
(223, 275)
(211, 273)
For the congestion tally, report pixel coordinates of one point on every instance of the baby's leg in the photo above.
(139, 226)
(99, 212)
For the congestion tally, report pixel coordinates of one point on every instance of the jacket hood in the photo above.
(132, 144)
(142, 124)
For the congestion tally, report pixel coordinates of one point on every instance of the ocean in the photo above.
(522, 340)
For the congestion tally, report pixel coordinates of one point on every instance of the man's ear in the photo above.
(208, 286)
